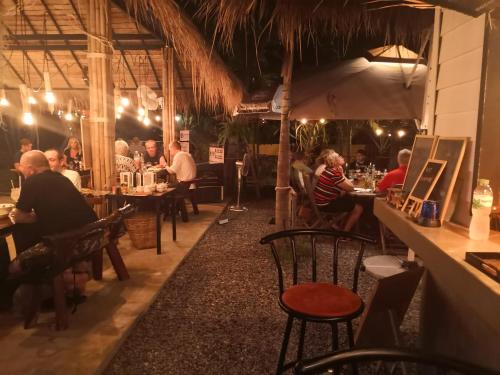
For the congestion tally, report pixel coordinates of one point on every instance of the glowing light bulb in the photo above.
(140, 118)
(141, 111)
(118, 116)
(401, 133)
(158, 118)
(147, 121)
(120, 109)
(322, 121)
(32, 100)
(28, 118)
(303, 121)
(68, 116)
(50, 97)
(379, 132)
(4, 102)
(178, 118)
(124, 101)
(389, 135)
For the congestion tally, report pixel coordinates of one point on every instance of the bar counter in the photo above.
(461, 305)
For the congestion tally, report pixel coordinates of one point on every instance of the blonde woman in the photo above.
(73, 154)
(332, 188)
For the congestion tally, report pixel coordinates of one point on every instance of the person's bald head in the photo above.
(33, 162)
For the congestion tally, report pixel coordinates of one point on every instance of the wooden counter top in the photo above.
(443, 252)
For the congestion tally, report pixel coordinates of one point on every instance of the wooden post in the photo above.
(102, 112)
(283, 175)
(168, 91)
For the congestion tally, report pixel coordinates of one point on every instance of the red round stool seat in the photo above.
(322, 300)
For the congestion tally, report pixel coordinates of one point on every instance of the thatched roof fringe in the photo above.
(213, 83)
(297, 21)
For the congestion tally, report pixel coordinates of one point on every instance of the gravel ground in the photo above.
(218, 313)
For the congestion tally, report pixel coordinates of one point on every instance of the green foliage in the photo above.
(235, 129)
(311, 136)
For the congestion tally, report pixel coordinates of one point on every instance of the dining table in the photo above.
(6, 227)
(157, 198)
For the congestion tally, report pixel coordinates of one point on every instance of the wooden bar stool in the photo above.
(310, 300)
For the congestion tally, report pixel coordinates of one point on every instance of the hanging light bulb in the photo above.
(147, 121)
(379, 132)
(28, 118)
(124, 101)
(3, 98)
(118, 116)
(68, 116)
(69, 111)
(401, 133)
(178, 118)
(158, 118)
(120, 109)
(303, 121)
(31, 98)
(49, 97)
(141, 111)
(322, 121)
(140, 118)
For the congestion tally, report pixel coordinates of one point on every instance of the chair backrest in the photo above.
(285, 242)
(310, 193)
(374, 356)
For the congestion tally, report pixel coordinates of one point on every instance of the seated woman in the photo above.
(123, 162)
(319, 164)
(330, 192)
(73, 154)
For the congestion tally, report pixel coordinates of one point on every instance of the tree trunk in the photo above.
(283, 175)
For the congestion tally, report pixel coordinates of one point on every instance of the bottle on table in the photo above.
(482, 202)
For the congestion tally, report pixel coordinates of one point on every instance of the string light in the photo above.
(50, 97)
(322, 121)
(120, 109)
(140, 118)
(68, 116)
(379, 132)
(158, 118)
(178, 118)
(3, 98)
(303, 121)
(147, 121)
(124, 101)
(31, 98)
(118, 116)
(401, 133)
(28, 118)
(141, 111)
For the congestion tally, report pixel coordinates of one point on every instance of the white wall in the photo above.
(458, 84)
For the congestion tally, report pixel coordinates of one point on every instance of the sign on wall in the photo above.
(216, 155)
(184, 136)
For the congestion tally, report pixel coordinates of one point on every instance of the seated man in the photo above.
(56, 163)
(49, 203)
(360, 162)
(183, 165)
(25, 146)
(330, 192)
(154, 156)
(396, 176)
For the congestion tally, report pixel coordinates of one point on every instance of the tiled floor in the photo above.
(112, 307)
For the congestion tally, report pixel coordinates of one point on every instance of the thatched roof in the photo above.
(297, 21)
(51, 35)
(471, 7)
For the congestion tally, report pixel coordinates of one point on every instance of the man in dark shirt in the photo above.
(48, 201)
(154, 156)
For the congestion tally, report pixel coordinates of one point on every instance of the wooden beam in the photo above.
(33, 30)
(83, 47)
(12, 68)
(178, 71)
(77, 37)
(73, 54)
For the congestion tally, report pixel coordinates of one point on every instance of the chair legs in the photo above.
(300, 348)
(284, 345)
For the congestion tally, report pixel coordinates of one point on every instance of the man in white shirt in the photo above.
(55, 159)
(183, 164)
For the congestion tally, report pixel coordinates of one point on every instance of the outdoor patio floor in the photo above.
(112, 307)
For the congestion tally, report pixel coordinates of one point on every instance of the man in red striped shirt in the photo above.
(330, 192)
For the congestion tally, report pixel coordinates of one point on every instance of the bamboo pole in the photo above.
(283, 175)
(102, 119)
(168, 89)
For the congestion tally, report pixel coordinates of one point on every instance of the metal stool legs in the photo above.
(284, 345)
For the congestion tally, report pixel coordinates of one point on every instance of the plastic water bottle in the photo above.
(482, 202)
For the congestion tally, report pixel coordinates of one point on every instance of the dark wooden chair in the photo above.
(311, 300)
(433, 363)
(186, 190)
